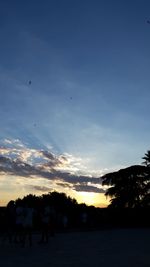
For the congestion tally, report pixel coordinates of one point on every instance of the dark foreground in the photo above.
(106, 248)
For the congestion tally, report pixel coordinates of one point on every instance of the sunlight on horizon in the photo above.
(36, 171)
(88, 198)
(92, 199)
(74, 105)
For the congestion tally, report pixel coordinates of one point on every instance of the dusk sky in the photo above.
(74, 94)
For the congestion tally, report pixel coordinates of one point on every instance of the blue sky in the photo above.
(89, 67)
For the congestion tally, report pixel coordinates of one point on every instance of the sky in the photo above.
(74, 94)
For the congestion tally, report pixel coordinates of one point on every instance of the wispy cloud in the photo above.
(39, 188)
(88, 188)
(18, 160)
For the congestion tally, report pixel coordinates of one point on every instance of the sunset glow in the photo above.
(74, 95)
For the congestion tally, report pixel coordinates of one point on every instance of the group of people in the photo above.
(20, 220)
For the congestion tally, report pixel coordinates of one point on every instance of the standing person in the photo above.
(84, 219)
(28, 224)
(10, 220)
(45, 224)
(52, 220)
(19, 222)
(3, 226)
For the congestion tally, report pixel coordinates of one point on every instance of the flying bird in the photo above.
(29, 82)
(148, 21)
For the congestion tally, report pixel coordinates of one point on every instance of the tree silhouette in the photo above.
(147, 158)
(146, 199)
(129, 187)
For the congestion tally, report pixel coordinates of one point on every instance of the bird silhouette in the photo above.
(29, 82)
(148, 21)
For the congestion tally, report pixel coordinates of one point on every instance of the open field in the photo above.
(108, 248)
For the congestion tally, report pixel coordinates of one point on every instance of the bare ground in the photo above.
(117, 247)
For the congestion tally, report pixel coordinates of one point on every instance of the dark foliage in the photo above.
(129, 187)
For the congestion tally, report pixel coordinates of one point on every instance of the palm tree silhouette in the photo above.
(147, 158)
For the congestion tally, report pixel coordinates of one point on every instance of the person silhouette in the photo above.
(28, 224)
(10, 220)
(45, 224)
(19, 218)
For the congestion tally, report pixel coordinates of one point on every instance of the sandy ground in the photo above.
(118, 248)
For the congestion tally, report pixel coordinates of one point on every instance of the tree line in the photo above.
(129, 193)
